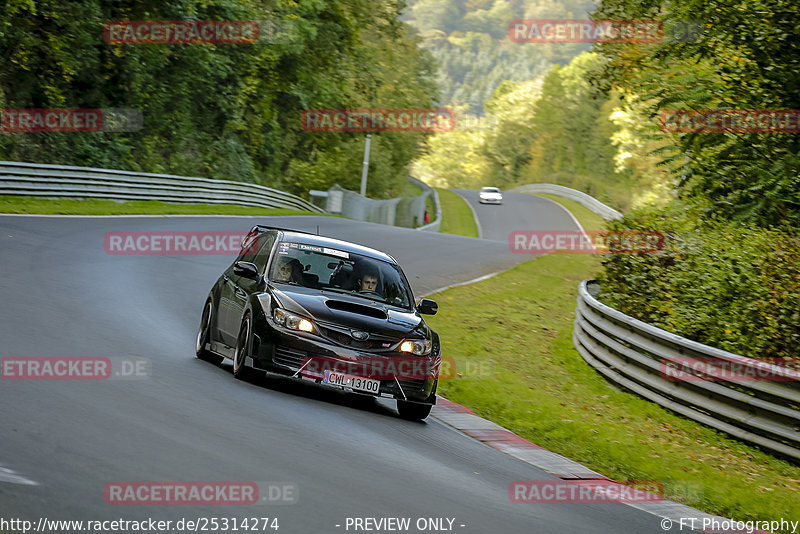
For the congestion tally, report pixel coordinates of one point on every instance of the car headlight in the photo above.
(292, 321)
(419, 347)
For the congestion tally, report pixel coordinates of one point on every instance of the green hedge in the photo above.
(732, 287)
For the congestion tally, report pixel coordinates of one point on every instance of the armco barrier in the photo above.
(436, 224)
(405, 212)
(33, 179)
(632, 354)
(588, 201)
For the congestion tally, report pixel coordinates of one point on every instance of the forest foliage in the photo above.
(557, 113)
(728, 200)
(731, 275)
(226, 111)
(469, 41)
(595, 126)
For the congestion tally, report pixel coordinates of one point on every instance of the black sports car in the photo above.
(326, 311)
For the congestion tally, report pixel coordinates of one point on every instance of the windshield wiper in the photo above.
(352, 293)
(337, 290)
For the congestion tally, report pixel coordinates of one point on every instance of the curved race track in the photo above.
(191, 421)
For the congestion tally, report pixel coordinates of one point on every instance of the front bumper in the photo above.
(296, 356)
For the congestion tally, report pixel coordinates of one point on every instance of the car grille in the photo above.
(342, 337)
(289, 357)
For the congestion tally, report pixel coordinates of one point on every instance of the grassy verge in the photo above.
(409, 190)
(431, 207)
(456, 215)
(511, 338)
(18, 204)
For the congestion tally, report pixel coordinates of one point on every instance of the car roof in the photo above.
(296, 236)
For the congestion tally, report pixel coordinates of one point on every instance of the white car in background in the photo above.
(490, 195)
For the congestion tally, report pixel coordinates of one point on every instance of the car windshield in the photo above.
(340, 271)
(490, 190)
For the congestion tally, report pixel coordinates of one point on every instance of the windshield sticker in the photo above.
(309, 247)
(284, 248)
(334, 252)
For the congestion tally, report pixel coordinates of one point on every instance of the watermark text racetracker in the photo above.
(404, 367)
(588, 241)
(184, 243)
(602, 31)
(730, 120)
(73, 368)
(687, 369)
(177, 493)
(272, 29)
(193, 524)
(585, 31)
(181, 32)
(70, 120)
(584, 491)
(378, 120)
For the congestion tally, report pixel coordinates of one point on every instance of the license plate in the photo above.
(353, 382)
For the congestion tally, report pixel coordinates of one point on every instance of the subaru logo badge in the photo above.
(359, 335)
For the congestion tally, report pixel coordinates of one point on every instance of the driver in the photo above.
(367, 278)
(368, 283)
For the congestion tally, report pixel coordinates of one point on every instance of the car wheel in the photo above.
(240, 369)
(204, 336)
(413, 411)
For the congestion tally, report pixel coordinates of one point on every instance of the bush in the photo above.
(732, 287)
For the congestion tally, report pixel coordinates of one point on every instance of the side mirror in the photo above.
(427, 307)
(245, 269)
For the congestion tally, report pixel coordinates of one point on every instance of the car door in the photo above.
(237, 289)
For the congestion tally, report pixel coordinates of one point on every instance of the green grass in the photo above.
(18, 204)
(456, 215)
(431, 207)
(511, 338)
(409, 190)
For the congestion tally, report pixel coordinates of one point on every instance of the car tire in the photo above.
(240, 369)
(204, 335)
(413, 411)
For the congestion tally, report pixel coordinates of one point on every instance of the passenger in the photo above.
(289, 270)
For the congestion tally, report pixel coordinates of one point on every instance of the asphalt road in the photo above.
(188, 420)
(519, 211)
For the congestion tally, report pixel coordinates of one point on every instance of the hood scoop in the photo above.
(369, 311)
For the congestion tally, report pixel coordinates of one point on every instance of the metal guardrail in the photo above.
(399, 211)
(437, 217)
(587, 201)
(634, 355)
(33, 179)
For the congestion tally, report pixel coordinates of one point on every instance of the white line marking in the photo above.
(473, 281)
(474, 215)
(7, 475)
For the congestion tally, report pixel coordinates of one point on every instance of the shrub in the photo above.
(732, 287)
